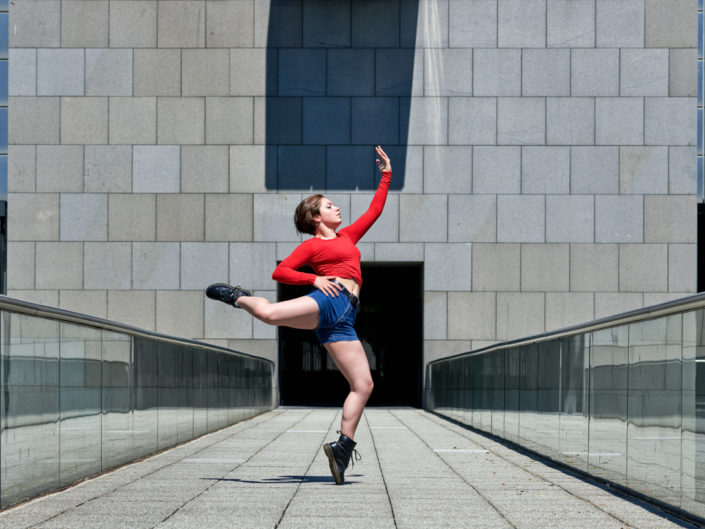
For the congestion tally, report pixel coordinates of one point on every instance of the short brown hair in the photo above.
(303, 216)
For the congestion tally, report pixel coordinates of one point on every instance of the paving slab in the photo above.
(417, 471)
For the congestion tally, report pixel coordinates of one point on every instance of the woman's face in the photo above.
(329, 214)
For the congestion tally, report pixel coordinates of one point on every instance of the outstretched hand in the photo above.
(383, 161)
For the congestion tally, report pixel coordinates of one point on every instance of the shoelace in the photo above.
(355, 456)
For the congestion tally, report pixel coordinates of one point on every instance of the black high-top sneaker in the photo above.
(226, 293)
(340, 453)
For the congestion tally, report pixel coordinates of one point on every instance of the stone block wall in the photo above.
(547, 147)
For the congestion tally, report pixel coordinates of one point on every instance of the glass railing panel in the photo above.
(512, 377)
(528, 396)
(80, 401)
(117, 395)
(481, 413)
(29, 458)
(654, 418)
(693, 407)
(548, 397)
(466, 390)
(574, 401)
(496, 391)
(609, 358)
(200, 392)
(167, 396)
(145, 416)
(184, 359)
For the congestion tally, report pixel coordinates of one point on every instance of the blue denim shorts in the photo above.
(336, 316)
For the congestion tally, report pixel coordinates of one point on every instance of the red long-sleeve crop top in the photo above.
(334, 257)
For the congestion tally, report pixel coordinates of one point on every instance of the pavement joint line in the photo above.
(458, 474)
(229, 471)
(303, 477)
(379, 464)
(250, 426)
(436, 419)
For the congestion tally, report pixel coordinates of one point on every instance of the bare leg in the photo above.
(351, 360)
(299, 313)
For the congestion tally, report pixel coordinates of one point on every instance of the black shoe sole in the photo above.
(333, 465)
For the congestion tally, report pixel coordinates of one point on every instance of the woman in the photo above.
(331, 307)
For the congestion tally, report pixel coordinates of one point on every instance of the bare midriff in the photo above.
(350, 284)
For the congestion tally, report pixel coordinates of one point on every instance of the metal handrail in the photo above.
(53, 313)
(694, 302)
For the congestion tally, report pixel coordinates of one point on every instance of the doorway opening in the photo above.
(389, 325)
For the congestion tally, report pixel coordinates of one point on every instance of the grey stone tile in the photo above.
(435, 306)
(564, 309)
(449, 266)
(496, 170)
(229, 24)
(447, 169)
(386, 227)
(22, 77)
(133, 24)
(620, 24)
(179, 314)
(634, 79)
(59, 168)
(204, 168)
(519, 314)
(570, 24)
(180, 217)
(84, 120)
(545, 267)
(132, 217)
(545, 72)
(412, 252)
(107, 265)
(60, 72)
(59, 265)
(84, 24)
(374, 121)
(108, 168)
(643, 170)
(472, 121)
(229, 120)
(611, 303)
(619, 218)
(205, 72)
(682, 267)
(398, 72)
(251, 264)
(471, 315)
(427, 121)
(594, 170)
(497, 72)
(422, 218)
(248, 165)
(286, 33)
(619, 121)
(21, 265)
(181, 120)
(132, 120)
(594, 267)
(108, 72)
(521, 120)
(682, 170)
(302, 72)
(248, 71)
(669, 26)
(326, 24)
(670, 219)
(35, 217)
(496, 267)
(570, 218)
(448, 72)
(375, 25)
(643, 267)
(683, 79)
(522, 24)
(521, 218)
(278, 120)
(669, 121)
(472, 218)
(181, 24)
(155, 169)
(22, 168)
(273, 217)
(155, 265)
(203, 263)
(157, 72)
(545, 170)
(434, 20)
(83, 217)
(595, 72)
(34, 120)
(36, 24)
(570, 121)
(326, 120)
(350, 72)
(472, 24)
(229, 217)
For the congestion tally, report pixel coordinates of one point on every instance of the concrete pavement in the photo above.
(418, 471)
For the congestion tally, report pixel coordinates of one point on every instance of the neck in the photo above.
(324, 232)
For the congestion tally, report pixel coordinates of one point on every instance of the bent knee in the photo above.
(364, 387)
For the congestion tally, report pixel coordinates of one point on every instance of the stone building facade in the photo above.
(544, 152)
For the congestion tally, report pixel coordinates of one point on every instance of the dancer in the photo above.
(331, 306)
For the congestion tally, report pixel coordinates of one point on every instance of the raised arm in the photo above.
(358, 228)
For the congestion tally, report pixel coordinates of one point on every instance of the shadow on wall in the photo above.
(339, 80)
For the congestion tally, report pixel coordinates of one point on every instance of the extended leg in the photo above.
(351, 360)
(299, 313)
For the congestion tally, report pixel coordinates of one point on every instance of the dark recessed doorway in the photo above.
(389, 326)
